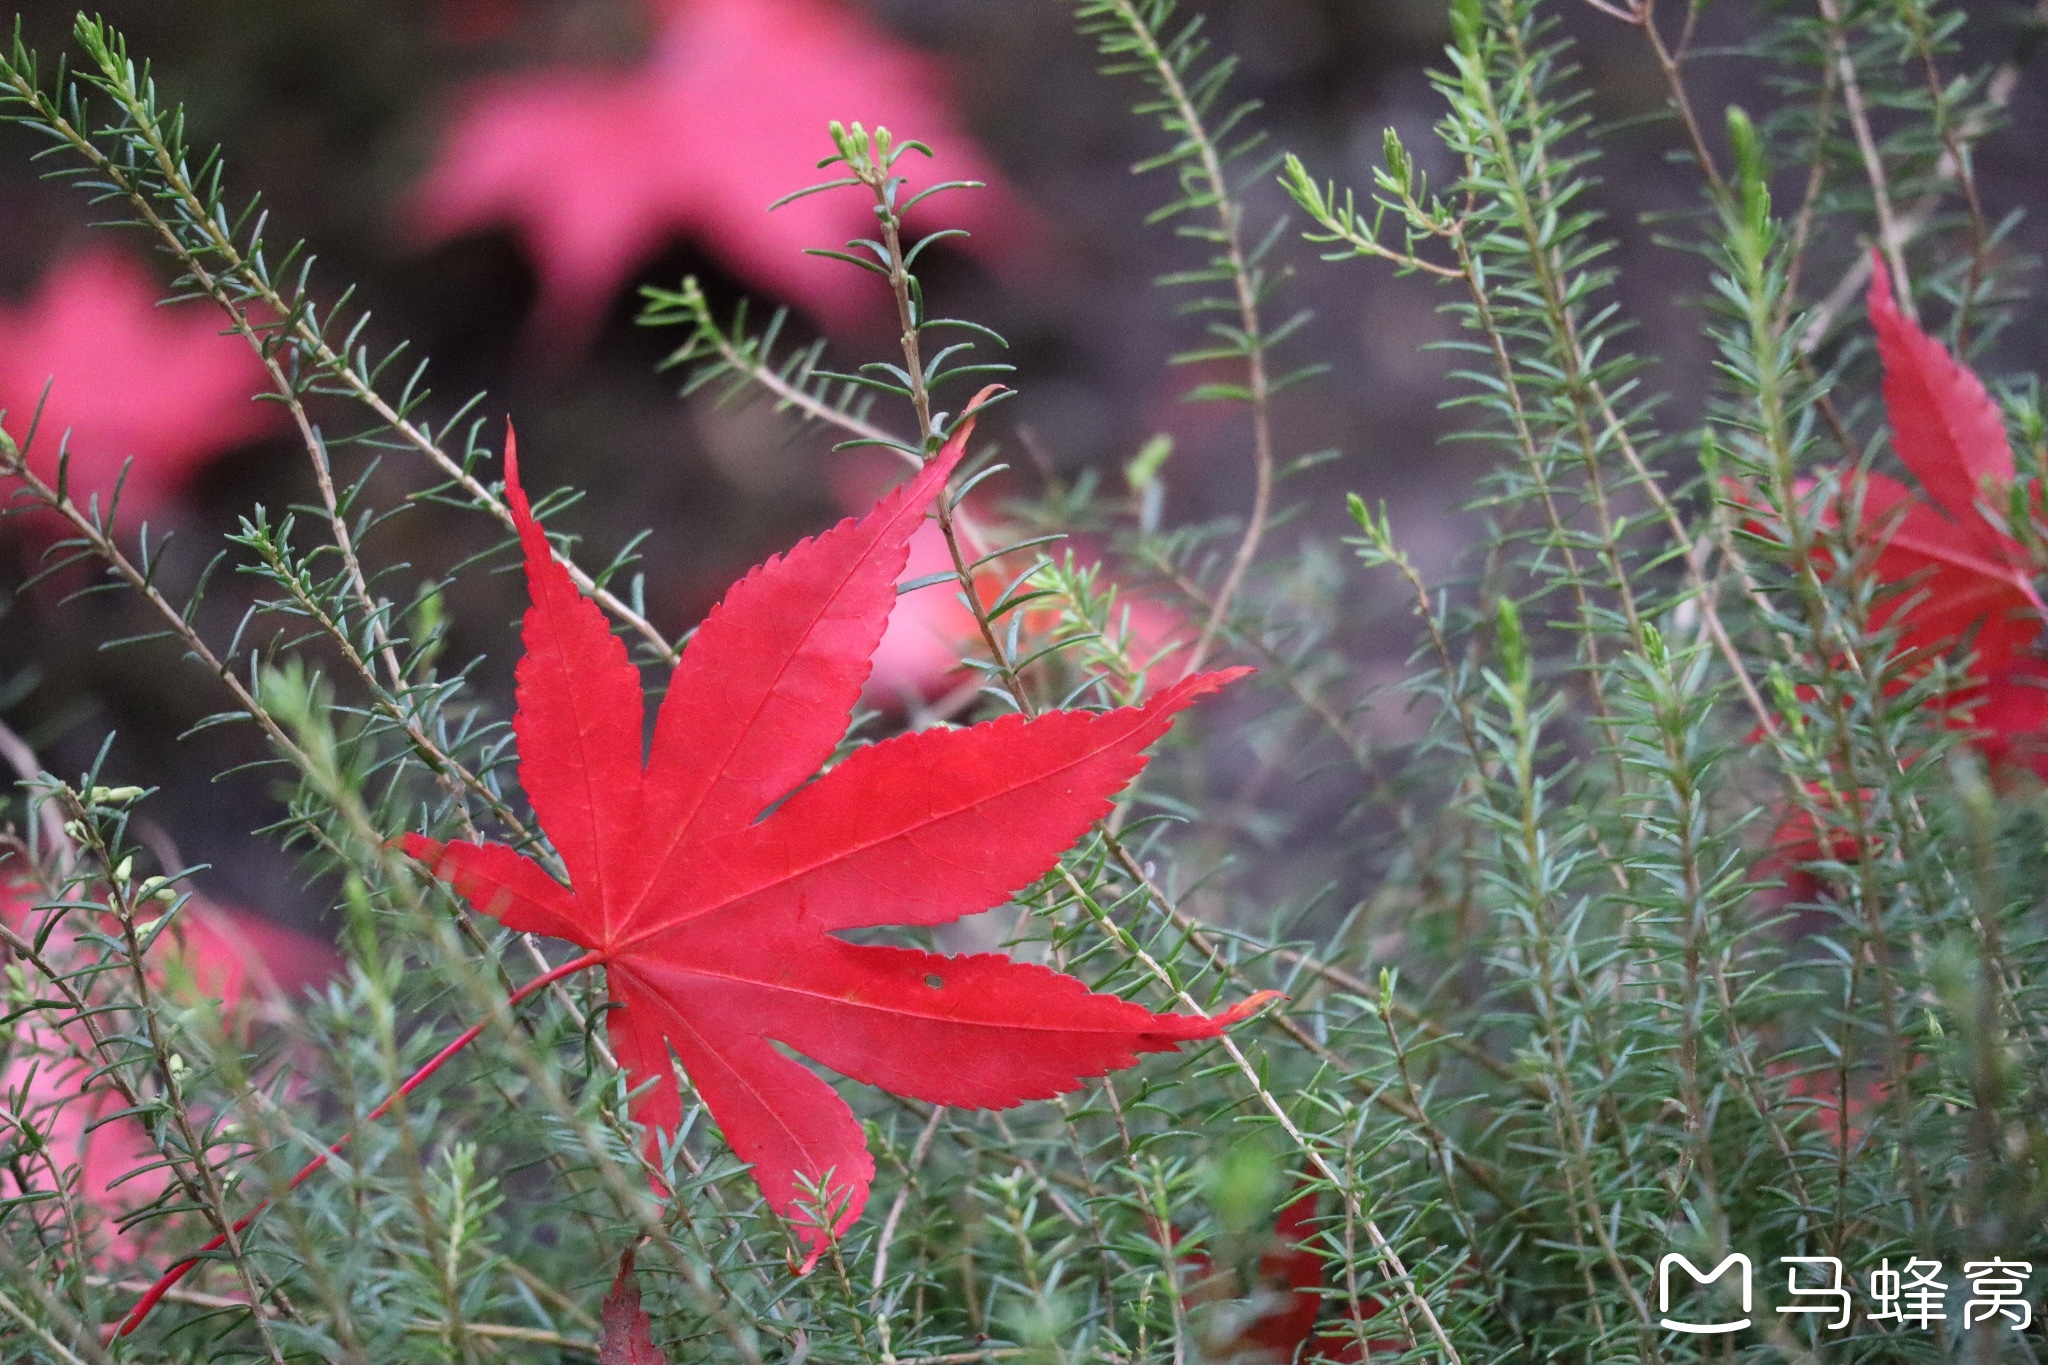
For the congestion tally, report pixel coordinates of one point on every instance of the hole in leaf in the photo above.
(934, 981)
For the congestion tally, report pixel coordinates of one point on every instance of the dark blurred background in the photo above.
(340, 113)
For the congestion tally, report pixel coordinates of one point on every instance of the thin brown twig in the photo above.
(887, 1236)
(1670, 62)
(1955, 157)
(537, 1336)
(1890, 239)
(1998, 94)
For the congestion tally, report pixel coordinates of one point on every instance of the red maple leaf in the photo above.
(1968, 578)
(1960, 577)
(716, 924)
(625, 1336)
(127, 380)
(598, 170)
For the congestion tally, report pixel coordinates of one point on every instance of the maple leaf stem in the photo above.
(170, 1278)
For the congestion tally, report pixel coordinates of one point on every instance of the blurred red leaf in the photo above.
(1290, 1274)
(1838, 1106)
(1967, 573)
(1961, 578)
(598, 170)
(467, 22)
(716, 924)
(1802, 839)
(930, 629)
(625, 1336)
(128, 379)
(1285, 1303)
(236, 959)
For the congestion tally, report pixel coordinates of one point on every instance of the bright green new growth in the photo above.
(1553, 1013)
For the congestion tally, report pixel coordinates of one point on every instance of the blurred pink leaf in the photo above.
(128, 379)
(599, 170)
(930, 629)
(237, 959)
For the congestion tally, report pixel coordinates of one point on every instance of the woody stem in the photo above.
(169, 1279)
